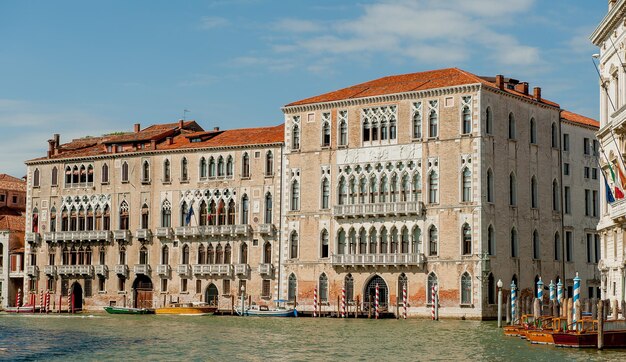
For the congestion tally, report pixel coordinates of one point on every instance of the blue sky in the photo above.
(86, 68)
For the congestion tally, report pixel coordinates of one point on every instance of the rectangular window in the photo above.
(88, 288)
(49, 285)
(586, 172)
(101, 284)
(589, 247)
(2, 198)
(594, 173)
(595, 203)
(183, 285)
(198, 286)
(226, 287)
(587, 202)
(121, 283)
(265, 288)
(163, 285)
(596, 247)
(566, 169)
(596, 147)
(586, 146)
(565, 142)
(568, 246)
(567, 201)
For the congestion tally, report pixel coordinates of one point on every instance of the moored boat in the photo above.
(265, 311)
(128, 310)
(543, 335)
(22, 310)
(584, 335)
(194, 309)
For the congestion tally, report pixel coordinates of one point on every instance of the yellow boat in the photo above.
(187, 309)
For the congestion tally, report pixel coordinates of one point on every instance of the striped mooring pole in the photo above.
(376, 301)
(404, 300)
(559, 291)
(576, 297)
(343, 302)
(552, 291)
(513, 301)
(540, 291)
(18, 298)
(433, 302)
(47, 301)
(41, 301)
(69, 302)
(314, 302)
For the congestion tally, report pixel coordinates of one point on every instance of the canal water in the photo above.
(105, 337)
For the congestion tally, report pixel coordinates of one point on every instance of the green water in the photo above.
(111, 337)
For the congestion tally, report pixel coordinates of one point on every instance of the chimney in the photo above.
(114, 148)
(522, 87)
(181, 123)
(537, 94)
(500, 81)
(137, 127)
(50, 148)
(215, 129)
(153, 144)
(169, 140)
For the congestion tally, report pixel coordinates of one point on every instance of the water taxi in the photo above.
(128, 310)
(193, 309)
(265, 311)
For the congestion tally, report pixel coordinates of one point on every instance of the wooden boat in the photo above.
(264, 311)
(128, 310)
(194, 309)
(519, 330)
(543, 335)
(584, 335)
(22, 310)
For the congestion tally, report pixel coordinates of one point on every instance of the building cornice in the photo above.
(608, 23)
(150, 153)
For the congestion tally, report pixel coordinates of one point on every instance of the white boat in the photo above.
(265, 311)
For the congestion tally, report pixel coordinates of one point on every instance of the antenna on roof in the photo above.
(185, 111)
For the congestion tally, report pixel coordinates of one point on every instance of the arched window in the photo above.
(384, 189)
(323, 288)
(466, 288)
(210, 254)
(417, 186)
(404, 240)
(536, 246)
(491, 289)
(362, 190)
(122, 255)
(555, 136)
(374, 130)
(467, 185)
(185, 220)
(53, 219)
(433, 187)
(212, 169)
(326, 134)
(416, 242)
(231, 212)
(166, 214)
(348, 284)
(384, 241)
(392, 128)
(295, 196)
(201, 255)
(245, 209)
(185, 254)
(269, 163)
(373, 249)
(352, 242)
(432, 281)
(90, 174)
(466, 241)
(203, 168)
(143, 255)
(512, 190)
(83, 174)
(184, 174)
(295, 137)
(124, 216)
(167, 171)
(267, 253)
(106, 218)
(124, 171)
(268, 208)
(324, 244)
(54, 180)
(432, 124)
(325, 194)
(393, 192)
(555, 196)
(373, 189)
(35, 221)
(292, 286)
(557, 246)
(341, 242)
(105, 174)
(432, 241)
(488, 121)
(145, 216)
(466, 119)
(68, 176)
(362, 241)
(417, 120)
(533, 131)
(75, 174)
(490, 185)
(204, 214)
(245, 165)
(221, 213)
(491, 241)
(165, 255)
(533, 192)
(145, 172)
(220, 166)
(229, 166)
(514, 248)
(243, 253)
(293, 245)
(511, 126)
(366, 131)
(343, 133)
(394, 240)
(343, 191)
(227, 254)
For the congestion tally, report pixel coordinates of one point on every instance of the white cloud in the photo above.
(297, 26)
(210, 22)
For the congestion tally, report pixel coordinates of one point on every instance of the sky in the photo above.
(86, 68)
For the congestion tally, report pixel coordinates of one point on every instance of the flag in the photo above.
(188, 218)
(618, 193)
(622, 178)
(612, 173)
(609, 195)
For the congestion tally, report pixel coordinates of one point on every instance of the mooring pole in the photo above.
(499, 303)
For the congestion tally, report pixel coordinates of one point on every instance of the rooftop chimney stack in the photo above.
(181, 123)
(537, 94)
(500, 81)
(57, 143)
(50, 148)
(153, 144)
(216, 129)
(169, 140)
(137, 127)
(522, 87)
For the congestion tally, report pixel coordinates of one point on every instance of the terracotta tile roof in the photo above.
(411, 82)
(234, 137)
(12, 223)
(577, 118)
(154, 132)
(8, 182)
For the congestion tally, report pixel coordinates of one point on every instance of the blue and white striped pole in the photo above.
(552, 294)
(576, 297)
(540, 291)
(559, 291)
(513, 300)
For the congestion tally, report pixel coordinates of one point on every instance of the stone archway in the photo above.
(369, 291)
(142, 292)
(77, 296)
(211, 295)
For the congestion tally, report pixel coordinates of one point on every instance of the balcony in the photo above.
(187, 231)
(266, 269)
(378, 209)
(50, 270)
(142, 269)
(209, 230)
(242, 269)
(97, 235)
(617, 210)
(32, 270)
(83, 269)
(163, 269)
(66, 269)
(227, 229)
(243, 229)
(50, 237)
(121, 269)
(183, 269)
(212, 269)
(32, 238)
(143, 234)
(122, 235)
(164, 232)
(101, 270)
(266, 229)
(354, 260)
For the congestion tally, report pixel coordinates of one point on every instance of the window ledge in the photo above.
(124, 182)
(121, 292)
(295, 150)
(245, 177)
(342, 146)
(417, 139)
(269, 175)
(184, 293)
(266, 297)
(326, 147)
(102, 292)
(186, 181)
(466, 305)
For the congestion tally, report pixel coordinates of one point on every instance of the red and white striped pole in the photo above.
(432, 299)
(69, 303)
(343, 302)
(18, 298)
(314, 302)
(376, 301)
(33, 300)
(47, 301)
(41, 301)
(404, 301)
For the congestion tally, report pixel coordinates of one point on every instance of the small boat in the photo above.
(265, 311)
(548, 326)
(519, 330)
(585, 335)
(128, 310)
(22, 310)
(193, 308)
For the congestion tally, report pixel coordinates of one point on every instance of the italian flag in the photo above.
(618, 193)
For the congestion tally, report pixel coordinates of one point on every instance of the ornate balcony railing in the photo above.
(266, 229)
(67, 236)
(187, 231)
(143, 234)
(32, 270)
(405, 259)
(143, 269)
(242, 269)
(122, 235)
(32, 238)
(164, 232)
(163, 269)
(121, 269)
(75, 269)
(101, 269)
(378, 209)
(50, 270)
(183, 269)
(212, 269)
(266, 269)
